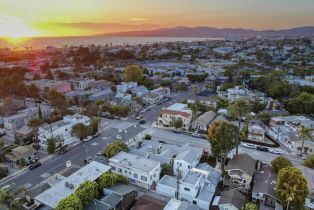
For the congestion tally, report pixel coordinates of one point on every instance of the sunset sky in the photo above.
(19, 18)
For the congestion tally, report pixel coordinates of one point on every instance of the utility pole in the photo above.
(178, 182)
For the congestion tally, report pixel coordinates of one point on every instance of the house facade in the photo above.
(168, 116)
(13, 123)
(61, 130)
(140, 171)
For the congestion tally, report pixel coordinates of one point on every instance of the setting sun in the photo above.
(17, 29)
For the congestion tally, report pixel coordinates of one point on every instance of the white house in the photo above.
(161, 92)
(187, 160)
(14, 122)
(257, 130)
(175, 112)
(196, 187)
(124, 86)
(61, 130)
(140, 171)
(83, 84)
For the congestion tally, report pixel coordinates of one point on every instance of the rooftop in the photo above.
(265, 181)
(67, 186)
(134, 161)
(242, 162)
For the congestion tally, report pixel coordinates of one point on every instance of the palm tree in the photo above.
(304, 134)
(288, 192)
(6, 197)
(34, 124)
(239, 109)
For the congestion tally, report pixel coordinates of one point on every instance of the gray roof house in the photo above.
(232, 198)
(240, 169)
(202, 122)
(264, 189)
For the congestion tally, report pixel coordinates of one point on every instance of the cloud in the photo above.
(137, 19)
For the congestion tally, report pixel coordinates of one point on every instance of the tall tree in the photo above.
(80, 131)
(35, 123)
(304, 134)
(58, 101)
(114, 148)
(223, 136)
(240, 108)
(133, 73)
(291, 187)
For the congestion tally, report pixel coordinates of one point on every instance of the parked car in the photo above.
(261, 148)
(88, 138)
(250, 146)
(277, 151)
(34, 165)
(177, 131)
(139, 117)
(63, 150)
(119, 137)
(141, 121)
(197, 135)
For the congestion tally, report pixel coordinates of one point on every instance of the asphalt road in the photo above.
(57, 163)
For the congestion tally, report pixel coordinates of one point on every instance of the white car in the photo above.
(250, 146)
(119, 137)
(277, 151)
(88, 138)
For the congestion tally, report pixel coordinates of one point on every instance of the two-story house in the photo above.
(140, 171)
(240, 171)
(60, 131)
(187, 160)
(176, 112)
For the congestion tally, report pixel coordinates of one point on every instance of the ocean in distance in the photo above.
(40, 43)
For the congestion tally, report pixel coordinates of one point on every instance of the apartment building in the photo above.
(140, 171)
(61, 131)
(178, 111)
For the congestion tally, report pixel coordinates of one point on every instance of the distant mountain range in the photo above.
(203, 32)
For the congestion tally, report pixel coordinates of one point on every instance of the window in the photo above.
(186, 189)
(194, 202)
(144, 178)
(189, 167)
(119, 170)
(113, 168)
(126, 171)
(135, 175)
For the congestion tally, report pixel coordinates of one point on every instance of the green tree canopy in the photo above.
(133, 73)
(309, 161)
(70, 203)
(292, 187)
(110, 179)
(178, 123)
(51, 145)
(223, 136)
(280, 162)
(250, 206)
(80, 131)
(58, 101)
(114, 148)
(86, 192)
(301, 104)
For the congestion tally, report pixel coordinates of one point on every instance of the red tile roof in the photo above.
(173, 112)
